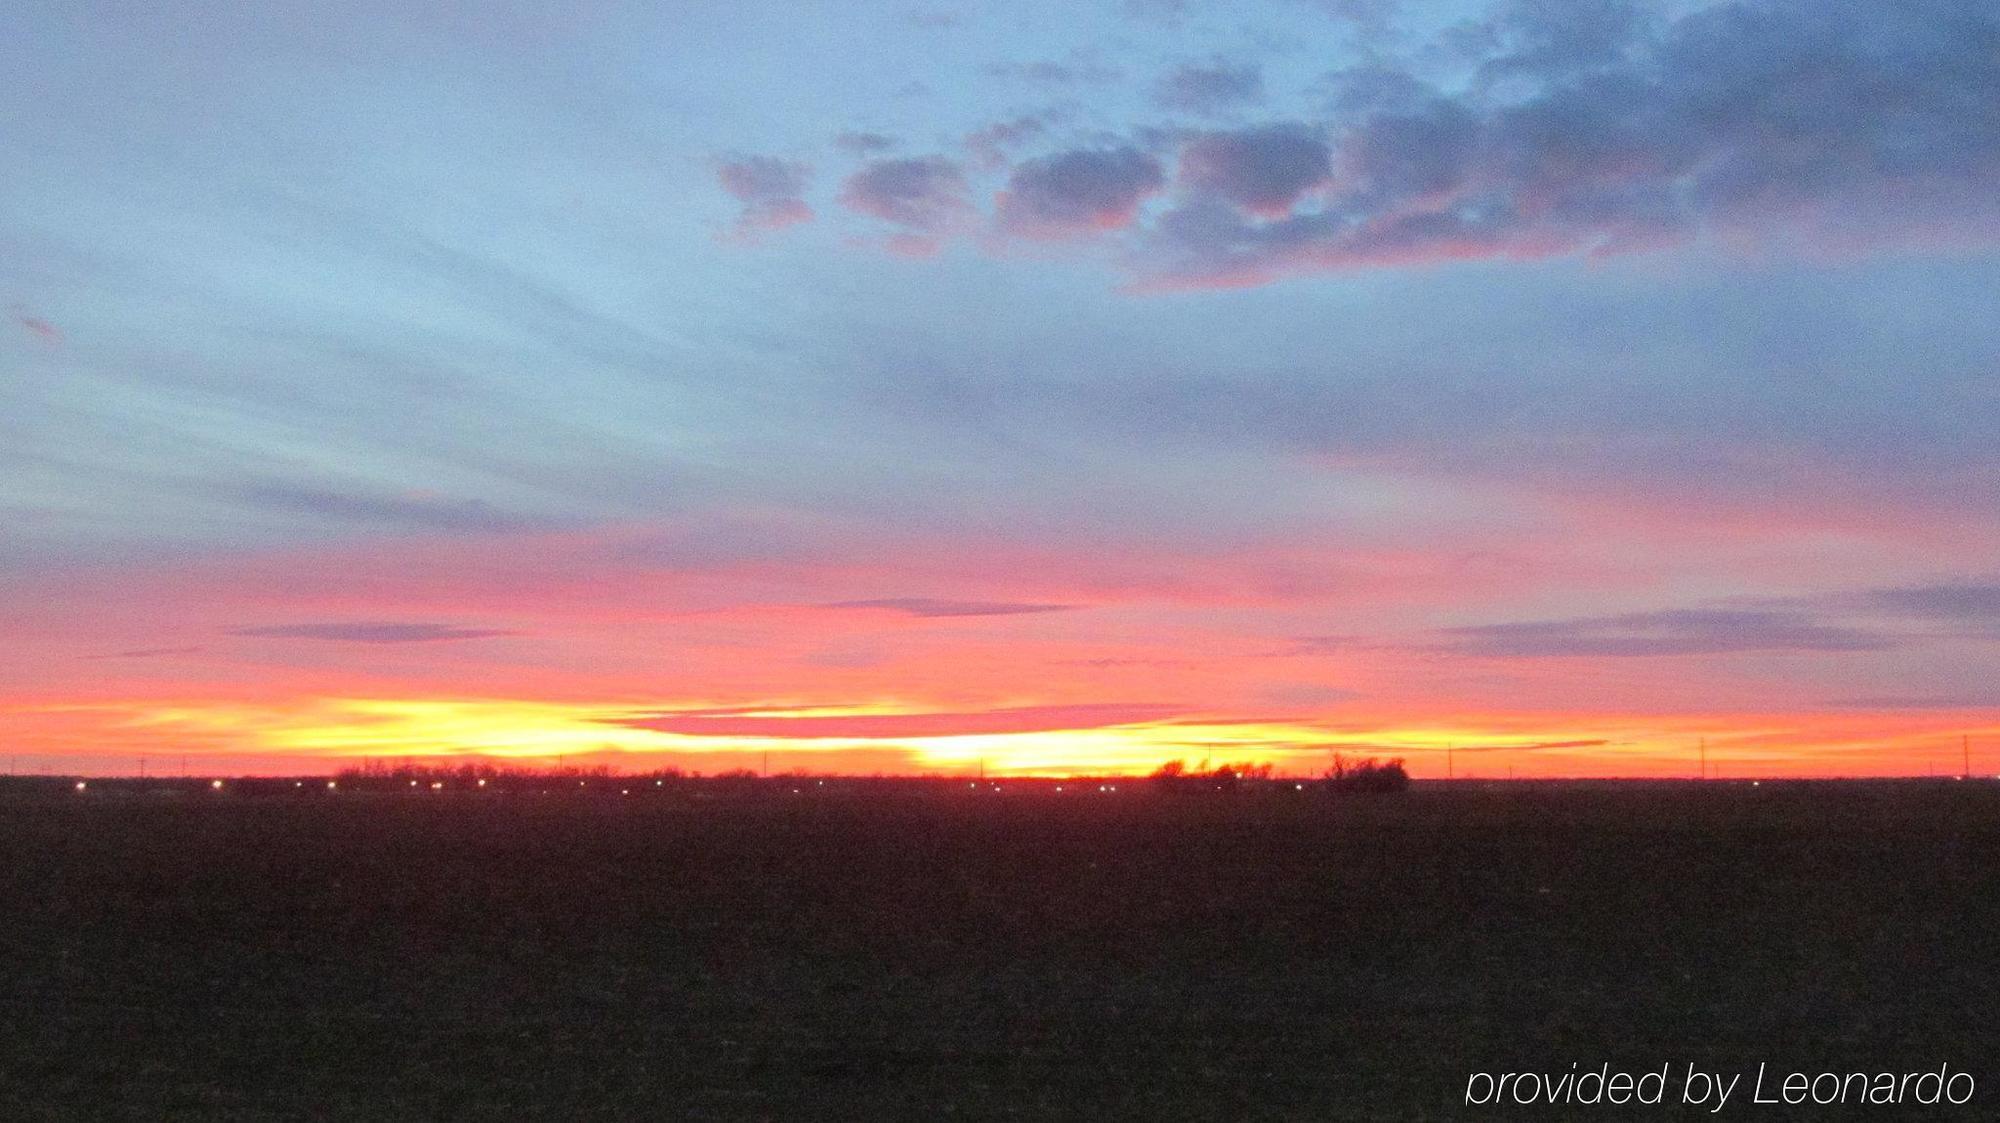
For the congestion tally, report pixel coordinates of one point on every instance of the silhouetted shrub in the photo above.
(1175, 776)
(1368, 774)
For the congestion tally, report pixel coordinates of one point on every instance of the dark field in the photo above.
(928, 955)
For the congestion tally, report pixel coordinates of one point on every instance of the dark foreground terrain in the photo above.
(1012, 955)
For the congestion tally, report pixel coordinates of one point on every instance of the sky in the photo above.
(1536, 387)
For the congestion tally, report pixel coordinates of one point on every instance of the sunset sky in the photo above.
(1065, 386)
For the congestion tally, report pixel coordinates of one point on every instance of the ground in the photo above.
(926, 954)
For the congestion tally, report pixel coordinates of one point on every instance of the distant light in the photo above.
(80, 785)
(1058, 787)
(437, 785)
(579, 783)
(1114, 787)
(624, 791)
(973, 784)
(795, 791)
(1100, 787)
(332, 784)
(1756, 783)
(659, 783)
(1298, 787)
(482, 783)
(822, 783)
(298, 783)
(216, 784)
(413, 783)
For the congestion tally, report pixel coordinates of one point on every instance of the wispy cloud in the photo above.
(993, 145)
(934, 19)
(1917, 702)
(1015, 719)
(371, 631)
(418, 511)
(931, 607)
(857, 143)
(1532, 746)
(1966, 602)
(38, 327)
(1076, 70)
(1671, 632)
(1210, 87)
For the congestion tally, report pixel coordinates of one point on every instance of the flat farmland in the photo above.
(929, 952)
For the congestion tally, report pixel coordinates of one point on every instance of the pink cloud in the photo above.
(39, 328)
(770, 190)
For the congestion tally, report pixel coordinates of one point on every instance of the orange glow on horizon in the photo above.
(319, 733)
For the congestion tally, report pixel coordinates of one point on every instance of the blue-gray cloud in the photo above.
(1262, 170)
(1963, 602)
(925, 195)
(1593, 127)
(1078, 192)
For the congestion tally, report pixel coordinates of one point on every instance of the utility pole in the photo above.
(1704, 758)
(1450, 769)
(1965, 748)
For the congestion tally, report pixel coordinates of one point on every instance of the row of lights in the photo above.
(438, 785)
(996, 787)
